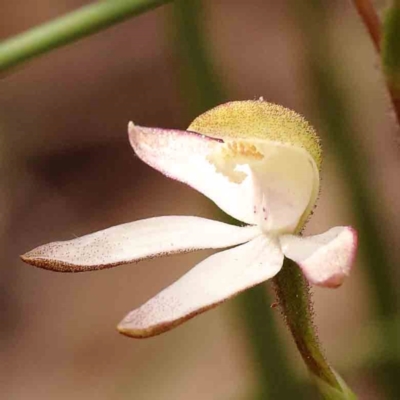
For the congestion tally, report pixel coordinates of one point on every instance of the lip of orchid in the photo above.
(238, 160)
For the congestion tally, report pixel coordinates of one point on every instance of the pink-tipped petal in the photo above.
(138, 240)
(325, 259)
(182, 155)
(211, 282)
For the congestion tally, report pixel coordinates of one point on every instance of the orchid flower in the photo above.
(259, 163)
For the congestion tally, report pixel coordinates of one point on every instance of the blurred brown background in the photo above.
(67, 169)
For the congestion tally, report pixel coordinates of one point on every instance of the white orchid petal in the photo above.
(284, 182)
(325, 259)
(182, 155)
(214, 280)
(252, 181)
(138, 240)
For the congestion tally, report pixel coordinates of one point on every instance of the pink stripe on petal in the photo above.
(138, 240)
(214, 280)
(325, 259)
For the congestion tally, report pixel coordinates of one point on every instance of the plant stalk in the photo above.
(293, 293)
(69, 28)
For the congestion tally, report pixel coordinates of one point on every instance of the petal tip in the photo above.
(31, 259)
(131, 126)
(137, 136)
(44, 263)
(125, 328)
(354, 239)
(25, 258)
(41, 257)
(325, 259)
(333, 282)
(348, 238)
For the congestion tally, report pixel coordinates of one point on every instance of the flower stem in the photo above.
(294, 298)
(69, 28)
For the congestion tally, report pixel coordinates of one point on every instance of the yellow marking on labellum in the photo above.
(233, 153)
(237, 148)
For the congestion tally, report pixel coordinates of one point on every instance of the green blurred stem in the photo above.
(69, 28)
(391, 53)
(200, 86)
(201, 91)
(274, 370)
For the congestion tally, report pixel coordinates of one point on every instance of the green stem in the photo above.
(293, 294)
(200, 87)
(391, 54)
(69, 28)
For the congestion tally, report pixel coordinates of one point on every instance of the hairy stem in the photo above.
(69, 28)
(294, 298)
